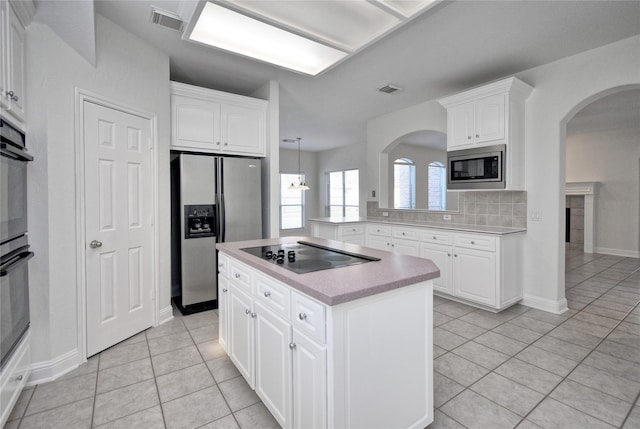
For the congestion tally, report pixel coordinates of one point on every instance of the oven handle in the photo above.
(15, 153)
(15, 262)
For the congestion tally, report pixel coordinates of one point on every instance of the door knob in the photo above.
(95, 243)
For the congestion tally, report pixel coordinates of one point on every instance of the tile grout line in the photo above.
(155, 379)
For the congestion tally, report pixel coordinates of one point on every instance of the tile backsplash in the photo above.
(494, 208)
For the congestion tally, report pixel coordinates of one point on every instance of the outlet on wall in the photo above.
(385, 214)
(535, 216)
(446, 217)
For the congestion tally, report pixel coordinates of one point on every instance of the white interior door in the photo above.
(118, 225)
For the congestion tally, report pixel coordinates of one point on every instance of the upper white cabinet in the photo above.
(14, 16)
(205, 120)
(490, 115)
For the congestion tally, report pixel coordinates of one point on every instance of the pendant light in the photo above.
(300, 185)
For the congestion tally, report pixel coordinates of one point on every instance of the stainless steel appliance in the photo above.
(214, 199)
(478, 168)
(14, 247)
(304, 257)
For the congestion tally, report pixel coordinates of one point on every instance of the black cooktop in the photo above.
(304, 257)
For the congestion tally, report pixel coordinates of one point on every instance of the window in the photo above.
(404, 184)
(437, 186)
(291, 203)
(343, 193)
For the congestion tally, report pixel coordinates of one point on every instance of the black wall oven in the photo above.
(14, 246)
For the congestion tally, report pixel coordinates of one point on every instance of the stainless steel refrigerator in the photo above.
(214, 199)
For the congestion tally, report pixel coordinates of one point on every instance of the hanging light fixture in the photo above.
(300, 185)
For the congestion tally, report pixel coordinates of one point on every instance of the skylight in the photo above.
(304, 36)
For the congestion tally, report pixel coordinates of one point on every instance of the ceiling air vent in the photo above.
(166, 19)
(389, 89)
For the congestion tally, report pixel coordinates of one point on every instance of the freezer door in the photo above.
(241, 199)
(198, 255)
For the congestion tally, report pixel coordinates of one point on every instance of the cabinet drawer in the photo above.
(272, 295)
(478, 242)
(437, 237)
(223, 264)
(345, 230)
(240, 275)
(382, 230)
(308, 317)
(406, 233)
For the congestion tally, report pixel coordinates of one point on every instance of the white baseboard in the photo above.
(618, 252)
(165, 314)
(41, 372)
(556, 307)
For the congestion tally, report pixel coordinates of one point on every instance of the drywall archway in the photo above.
(561, 89)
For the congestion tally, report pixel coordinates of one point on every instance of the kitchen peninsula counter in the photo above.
(449, 226)
(344, 284)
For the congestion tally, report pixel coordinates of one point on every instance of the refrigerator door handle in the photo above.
(222, 219)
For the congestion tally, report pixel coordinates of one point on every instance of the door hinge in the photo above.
(152, 220)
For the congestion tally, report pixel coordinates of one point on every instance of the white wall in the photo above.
(309, 168)
(130, 72)
(561, 89)
(611, 157)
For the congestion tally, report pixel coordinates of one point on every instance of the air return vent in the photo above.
(389, 89)
(166, 19)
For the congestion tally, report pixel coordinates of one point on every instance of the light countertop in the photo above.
(480, 229)
(339, 285)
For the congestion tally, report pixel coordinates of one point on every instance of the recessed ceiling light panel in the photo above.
(229, 30)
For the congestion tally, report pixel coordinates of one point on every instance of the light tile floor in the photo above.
(520, 368)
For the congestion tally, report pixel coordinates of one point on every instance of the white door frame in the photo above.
(82, 96)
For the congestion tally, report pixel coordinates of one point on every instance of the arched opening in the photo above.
(600, 145)
(404, 184)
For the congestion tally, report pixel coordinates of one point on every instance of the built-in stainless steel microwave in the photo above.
(477, 168)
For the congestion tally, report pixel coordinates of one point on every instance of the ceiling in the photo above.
(451, 47)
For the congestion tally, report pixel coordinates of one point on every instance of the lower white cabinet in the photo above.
(475, 276)
(441, 256)
(403, 241)
(319, 366)
(13, 377)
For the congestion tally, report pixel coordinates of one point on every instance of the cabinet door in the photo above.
(195, 123)
(309, 383)
(441, 256)
(376, 242)
(241, 335)
(405, 247)
(460, 126)
(273, 363)
(243, 130)
(223, 312)
(15, 66)
(490, 119)
(474, 275)
(4, 53)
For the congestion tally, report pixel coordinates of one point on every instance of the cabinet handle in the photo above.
(236, 275)
(434, 237)
(247, 311)
(15, 98)
(217, 143)
(10, 94)
(403, 233)
(224, 290)
(449, 254)
(267, 294)
(473, 242)
(353, 229)
(226, 143)
(393, 245)
(455, 256)
(302, 316)
(468, 137)
(477, 135)
(292, 346)
(253, 315)
(19, 378)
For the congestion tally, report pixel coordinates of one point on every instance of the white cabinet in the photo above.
(400, 240)
(12, 66)
(475, 123)
(205, 120)
(490, 115)
(441, 256)
(474, 276)
(349, 232)
(223, 311)
(307, 360)
(13, 376)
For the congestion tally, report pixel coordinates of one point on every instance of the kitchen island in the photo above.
(349, 347)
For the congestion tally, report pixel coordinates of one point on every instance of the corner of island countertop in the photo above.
(344, 284)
